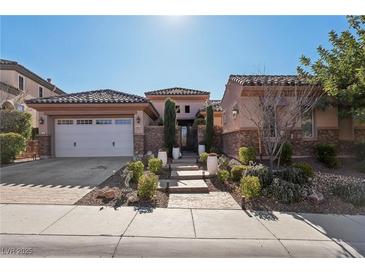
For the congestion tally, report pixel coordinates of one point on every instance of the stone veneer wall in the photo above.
(232, 141)
(154, 138)
(217, 140)
(138, 144)
(45, 146)
(301, 147)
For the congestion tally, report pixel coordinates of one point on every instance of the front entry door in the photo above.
(188, 137)
(184, 136)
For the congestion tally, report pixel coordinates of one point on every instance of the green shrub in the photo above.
(203, 157)
(17, 122)
(305, 167)
(237, 172)
(250, 186)
(11, 144)
(353, 193)
(326, 154)
(145, 159)
(293, 175)
(155, 165)
(247, 154)
(360, 151)
(286, 154)
(216, 150)
(223, 175)
(137, 168)
(285, 192)
(147, 186)
(223, 162)
(209, 130)
(263, 172)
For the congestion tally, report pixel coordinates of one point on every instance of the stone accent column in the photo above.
(138, 145)
(201, 133)
(153, 138)
(45, 146)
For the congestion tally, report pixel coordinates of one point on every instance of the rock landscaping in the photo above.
(121, 189)
(302, 186)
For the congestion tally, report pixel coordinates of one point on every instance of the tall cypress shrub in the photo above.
(209, 131)
(170, 125)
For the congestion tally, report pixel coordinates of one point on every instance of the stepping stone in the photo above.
(212, 200)
(190, 174)
(184, 166)
(184, 186)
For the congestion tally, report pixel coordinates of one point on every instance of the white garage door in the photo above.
(88, 137)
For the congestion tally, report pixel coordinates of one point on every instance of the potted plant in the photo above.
(176, 152)
(162, 155)
(212, 163)
(201, 147)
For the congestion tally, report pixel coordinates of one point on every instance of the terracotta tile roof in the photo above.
(259, 80)
(177, 91)
(102, 96)
(217, 107)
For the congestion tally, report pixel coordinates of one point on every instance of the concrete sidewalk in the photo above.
(89, 231)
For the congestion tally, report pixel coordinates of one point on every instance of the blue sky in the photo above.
(140, 53)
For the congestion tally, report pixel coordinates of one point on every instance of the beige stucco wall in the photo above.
(231, 97)
(346, 130)
(10, 77)
(195, 106)
(247, 106)
(327, 118)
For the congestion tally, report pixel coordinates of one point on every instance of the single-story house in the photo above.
(93, 123)
(318, 126)
(189, 102)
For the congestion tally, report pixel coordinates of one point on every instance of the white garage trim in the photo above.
(93, 137)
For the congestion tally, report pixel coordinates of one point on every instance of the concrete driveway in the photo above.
(55, 181)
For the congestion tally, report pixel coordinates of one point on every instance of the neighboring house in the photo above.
(319, 126)
(18, 83)
(188, 103)
(93, 123)
(217, 112)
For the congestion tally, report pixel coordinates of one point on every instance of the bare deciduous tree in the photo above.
(276, 111)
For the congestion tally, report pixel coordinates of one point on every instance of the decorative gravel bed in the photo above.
(323, 180)
(119, 195)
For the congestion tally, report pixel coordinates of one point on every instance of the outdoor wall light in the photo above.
(41, 121)
(138, 119)
(234, 113)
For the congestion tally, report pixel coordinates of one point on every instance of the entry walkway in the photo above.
(90, 231)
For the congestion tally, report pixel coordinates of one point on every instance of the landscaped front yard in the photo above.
(289, 188)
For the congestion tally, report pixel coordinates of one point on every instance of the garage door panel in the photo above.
(83, 140)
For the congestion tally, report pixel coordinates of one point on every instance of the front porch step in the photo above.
(184, 166)
(184, 186)
(190, 160)
(190, 174)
